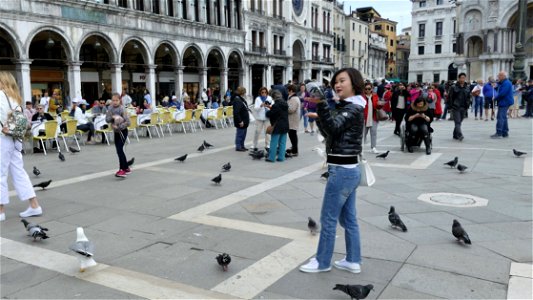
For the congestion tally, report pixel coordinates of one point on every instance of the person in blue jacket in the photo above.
(504, 98)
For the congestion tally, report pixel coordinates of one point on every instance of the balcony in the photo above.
(438, 37)
(259, 49)
(421, 38)
(280, 52)
(315, 58)
(276, 16)
(327, 60)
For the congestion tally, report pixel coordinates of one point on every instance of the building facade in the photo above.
(403, 50)
(356, 32)
(387, 28)
(433, 41)
(377, 56)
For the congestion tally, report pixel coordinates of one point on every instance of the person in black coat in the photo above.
(278, 114)
(418, 120)
(399, 101)
(241, 118)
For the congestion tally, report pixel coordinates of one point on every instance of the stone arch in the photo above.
(13, 40)
(145, 54)
(473, 19)
(224, 60)
(108, 46)
(474, 46)
(298, 50)
(197, 52)
(174, 51)
(235, 56)
(53, 31)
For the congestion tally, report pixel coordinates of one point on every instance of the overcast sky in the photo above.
(396, 10)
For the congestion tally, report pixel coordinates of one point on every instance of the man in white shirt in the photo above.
(84, 124)
(126, 99)
(45, 100)
(205, 99)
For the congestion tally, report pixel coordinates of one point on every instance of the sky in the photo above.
(395, 10)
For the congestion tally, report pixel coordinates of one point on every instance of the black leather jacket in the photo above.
(459, 96)
(343, 130)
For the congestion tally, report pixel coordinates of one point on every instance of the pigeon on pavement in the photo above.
(224, 260)
(35, 230)
(461, 168)
(257, 154)
(325, 175)
(226, 167)
(43, 184)
(36, 171)
(459, 233)
(453, 163)
(312, 225)
(356, 291)
(383, 155)
(181, 158)
(61, 156)
(207, 145)
(395, 220)
(131, 161)
(85, 250)
(518, 153)
(201, 148)
(73, 150)
(217, 179)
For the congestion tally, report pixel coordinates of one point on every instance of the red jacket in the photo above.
(375, 106)
(438, 104)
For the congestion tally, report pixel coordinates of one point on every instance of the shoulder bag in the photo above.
(367, 176)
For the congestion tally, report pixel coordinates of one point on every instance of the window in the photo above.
(439, 2)
(418, 77)
(353, 45)
(420, 50)
(454, 25)
(123, 3)
(392, 28)
(438, 49)
(436, 77)
(454, 47)
(438, 28)
(387, 27)
(421, 30)
(422, 4)
(377, 27)
(392, 43)
(360, 28)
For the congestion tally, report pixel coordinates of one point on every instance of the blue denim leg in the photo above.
(306, 119)
(339, 195)
(274, 141)
(282, 146)
(501, 121)
(240, 135)
(348, 220)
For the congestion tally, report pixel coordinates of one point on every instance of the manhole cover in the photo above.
(456, 200)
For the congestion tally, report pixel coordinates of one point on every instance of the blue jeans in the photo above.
(306, 119)
(278, 142)
(240, 136)
(502, 127)
(339, 204)
(478, 104)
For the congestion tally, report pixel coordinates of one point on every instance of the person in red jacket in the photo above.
(438, 104)
(371, 120)
(387, 96)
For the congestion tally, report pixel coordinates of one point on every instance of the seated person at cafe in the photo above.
(100, 108)
(227, 101)
(38, 118)
(144, 109)
(174, 102)
(187, 103)
(84, 124)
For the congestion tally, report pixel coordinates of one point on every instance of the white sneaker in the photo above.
(31, 212)
(2, 217)
(347, 266)
(312, 267)
(375, 151)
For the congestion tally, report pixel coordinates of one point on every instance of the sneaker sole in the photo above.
(121, 176)
(37, 215)
(347, 269)
(314, 270)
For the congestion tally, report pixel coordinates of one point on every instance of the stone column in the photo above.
(223, 80)
(483, 71)
(74, 75)
(148, 6)
(520, 53)
(222, 20)
(211, 12)
(190, 10)
(288, 73)
(178, 82)
(241, 77)
(269, 80)
(23, 78)
(202, 9)
(116, 78)
(150, 81)
(130, 4)
(320, 75)
(495, 47)
(162, 7)
(178, 9)
(113, 2)
(203, 79)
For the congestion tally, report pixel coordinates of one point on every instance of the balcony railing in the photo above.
(276, 16)
(279, 52)
(421, 38)
(438, 38)
(259, 49)
(328, 60)
(316, 58)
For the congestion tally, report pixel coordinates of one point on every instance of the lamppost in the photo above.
(520, 54)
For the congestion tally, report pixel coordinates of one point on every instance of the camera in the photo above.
(267, 103)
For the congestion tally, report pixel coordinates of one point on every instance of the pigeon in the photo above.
(459, 233)
(453, 163)
(131, 161)
(84, 248)
(35, 230)
(217, 179)
(207, 145)
(73, 150)
(201, 148)
(356, 291)
(325, 175)
(312, 225)
(36, 171)
(395, 220)
(223, 260)
(383, 155)
(181, 158)
(320, 152)
(43, 185)
(518, 153)
(461, 168)
(226, 167)
(257, 154)
(61, 156)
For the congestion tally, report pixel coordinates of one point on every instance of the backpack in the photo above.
(16, 122)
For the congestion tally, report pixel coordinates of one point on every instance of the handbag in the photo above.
(367, 176)
(381, 115)
(17, 122)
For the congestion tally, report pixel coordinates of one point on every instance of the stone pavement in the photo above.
(158, 231)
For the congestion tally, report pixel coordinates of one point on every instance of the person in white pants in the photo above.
(10, 153)
(261, 121)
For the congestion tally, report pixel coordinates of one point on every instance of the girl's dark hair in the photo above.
(420, 99)
(356, 78)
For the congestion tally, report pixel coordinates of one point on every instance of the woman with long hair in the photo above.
(11, 156)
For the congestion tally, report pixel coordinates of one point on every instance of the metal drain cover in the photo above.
(455, 200)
